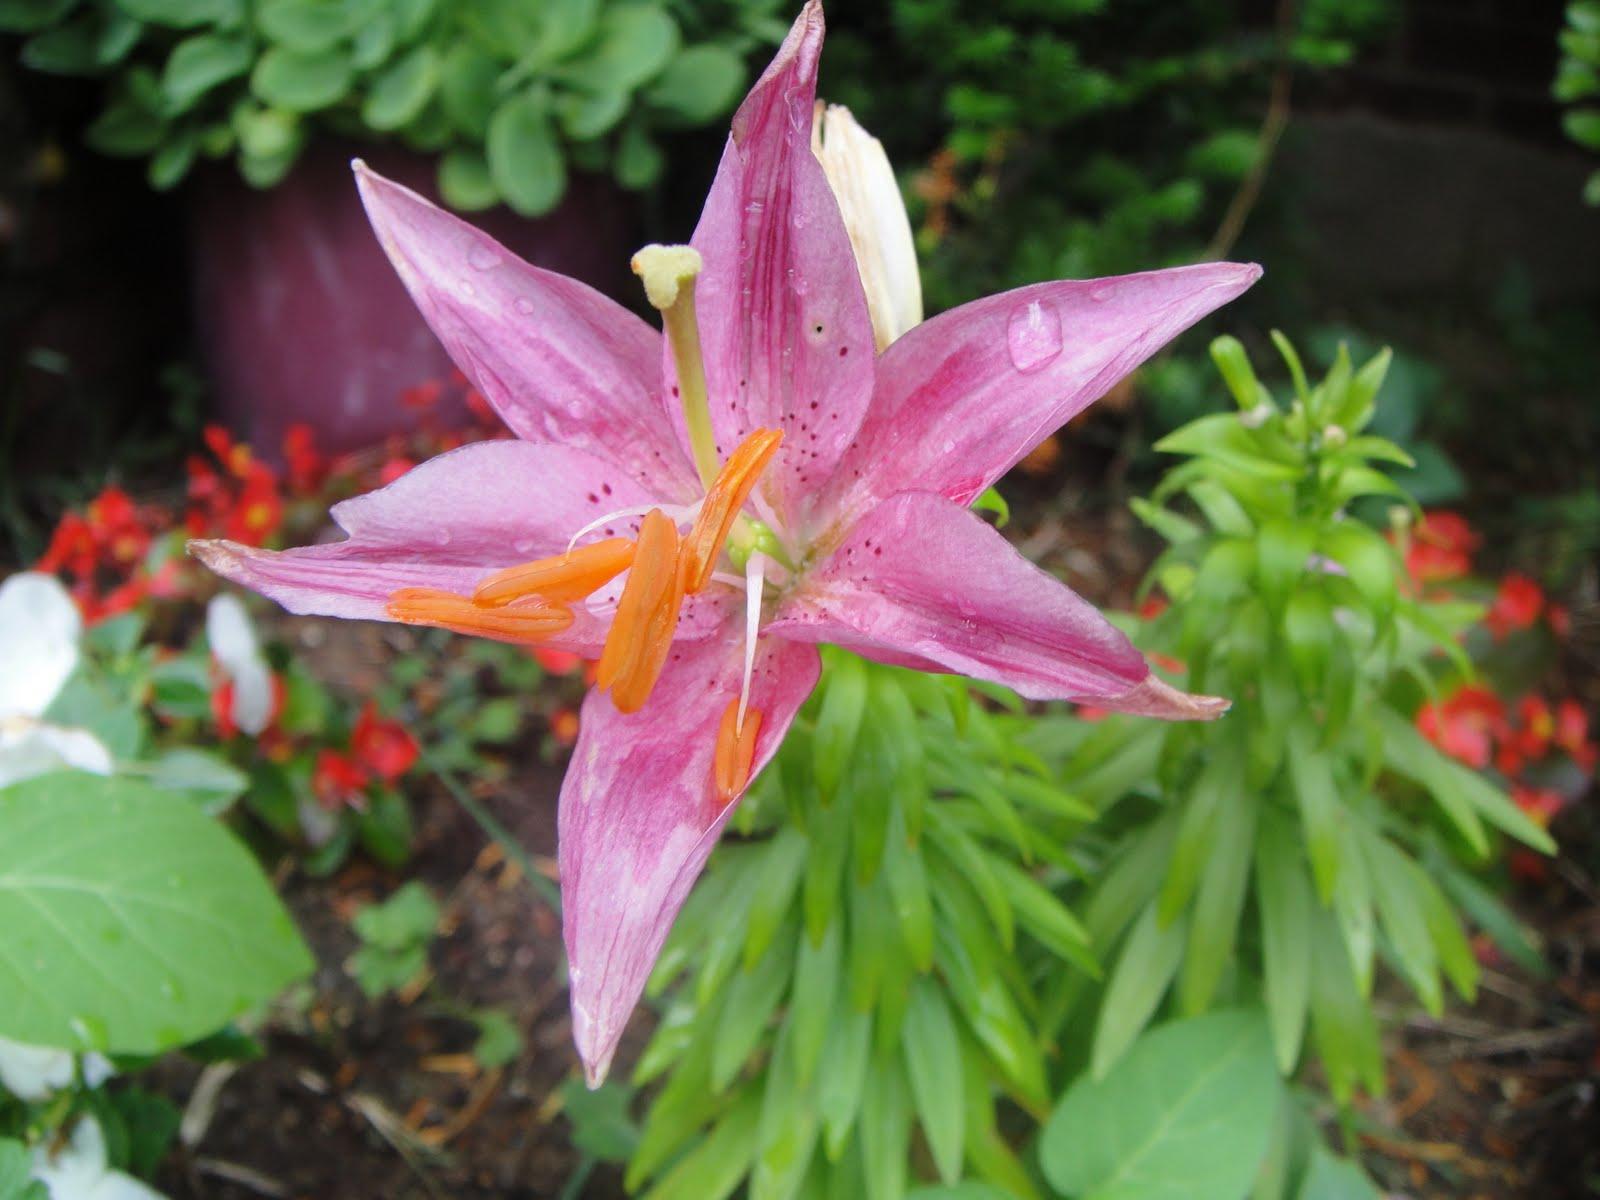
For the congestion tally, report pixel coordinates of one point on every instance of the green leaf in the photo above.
(217, 782)
(403, 88)
(16, 1173)
(126, 129)
(66, 50)
(635, 42)
(1413, 756)
(752, 998)
(1044, 916)
(843, 1074)
(587, 115)
(1397, 888)
(1367, 559)
(1283, 547)
(1222, 437)
(524, 157)
(171, 163)
(183, 14)
(1185, 1116)
(134, 923)
(933, 1065)
(833, 741)
(407, 918)
(783, 858)
(1309, 631)
(198, 64)
(700, 85)
(1328, 1177)
(885, 1131)
(465, 182)
(816, 984)
(715, 1167)
(1217, 780)
(1284, 904)
(497, 721)
(639, 161)
(1214, 922)
(1342, 1022)
(307, 26)
(467, 80)
(907, 878)
(789, 1128)
(601, 1125)
(302, 81)
(1311, 773)
(1148, 961)
(30, 16)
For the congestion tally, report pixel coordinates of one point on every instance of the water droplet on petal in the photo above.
(1033, 336)
(483, 257)
(523, 305)
(1102, 293)
(468, 290)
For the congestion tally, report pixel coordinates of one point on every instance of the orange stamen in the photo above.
(561, 577)
(736, 751)
(526, 622)
(728, 493)
(647, 610)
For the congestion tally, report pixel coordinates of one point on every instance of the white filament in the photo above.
(681, 514)
(755, 575)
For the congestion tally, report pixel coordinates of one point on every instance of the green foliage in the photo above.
(601, 1126)
(509, 94)
(395, 936)
(1073, 139)
(1187, 1114)
(1577, 81)
(143, 924)
(16, 1173)
(862, 966)
(499, 1040)
(1278, 854)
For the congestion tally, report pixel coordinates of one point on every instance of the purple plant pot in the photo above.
(302, 319)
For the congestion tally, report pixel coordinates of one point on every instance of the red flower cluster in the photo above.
(102, 555)
(242, 501)
(1440, 548)
(380, 750)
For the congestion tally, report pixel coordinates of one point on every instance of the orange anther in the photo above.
(524, 622)
(646, 614)
(728, 493)
(561, 577)
(736, 751)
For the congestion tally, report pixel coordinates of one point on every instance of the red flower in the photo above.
(72, 549)
(1440, 548)
(564, 726)
(307, 466)
(385, 748)
(1572, 734)
(1462, 724)
(557, 662)
(1540, 804)
(339, 781)
(393, 468)
(1517, 605)
(424, 395)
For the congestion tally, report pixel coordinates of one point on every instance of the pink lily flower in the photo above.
(824, 487)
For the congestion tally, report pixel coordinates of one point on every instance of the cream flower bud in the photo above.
(874, 216)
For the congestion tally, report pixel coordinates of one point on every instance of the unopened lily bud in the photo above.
(1255, 418)
(1399, 517)
(1334, 436)
(874, 214)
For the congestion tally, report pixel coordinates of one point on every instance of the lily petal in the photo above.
(921, 578)
(639, 818)
(963, 397)
(783, 319)
(446, 524)
(559, 361)
(39, 628)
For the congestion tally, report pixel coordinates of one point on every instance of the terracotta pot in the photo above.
(300, 316)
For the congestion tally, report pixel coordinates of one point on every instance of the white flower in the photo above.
(79, 1171)
(33, 1072)
(874, 213)
(238, 654)
(39, 630)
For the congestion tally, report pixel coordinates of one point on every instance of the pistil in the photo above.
(669, 274)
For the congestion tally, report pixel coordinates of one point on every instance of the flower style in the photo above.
(700, 511)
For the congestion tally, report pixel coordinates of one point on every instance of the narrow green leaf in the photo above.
(842, 1075)
(885, 1130)
(783, 858)
(1284, 904)
(933, 1065)
(816, 987)
(719, 1164)
(833, 741)
(1318, 797)
(752, 998)
(1144, 969)
(1219, 901)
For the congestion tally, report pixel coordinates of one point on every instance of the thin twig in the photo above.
(1272, 127)
(541, 887)
(245, 1177)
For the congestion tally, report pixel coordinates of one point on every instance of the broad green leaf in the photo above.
(465, 182)
(635, 42)
(216, 782)
(499, 1042)
(126, 129)
(1148, 961)
(467, 88)
(933, 1065)
(1328, 1177)
(171, 163)
(601, 1125)
(1185, 1116)
(699, 85)
(407, 918)
(402, 89)
(306, 26)
(639, 160)
(30, 16)
(134, 923)
(301, 81)
(182, 14)
(198, 64)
